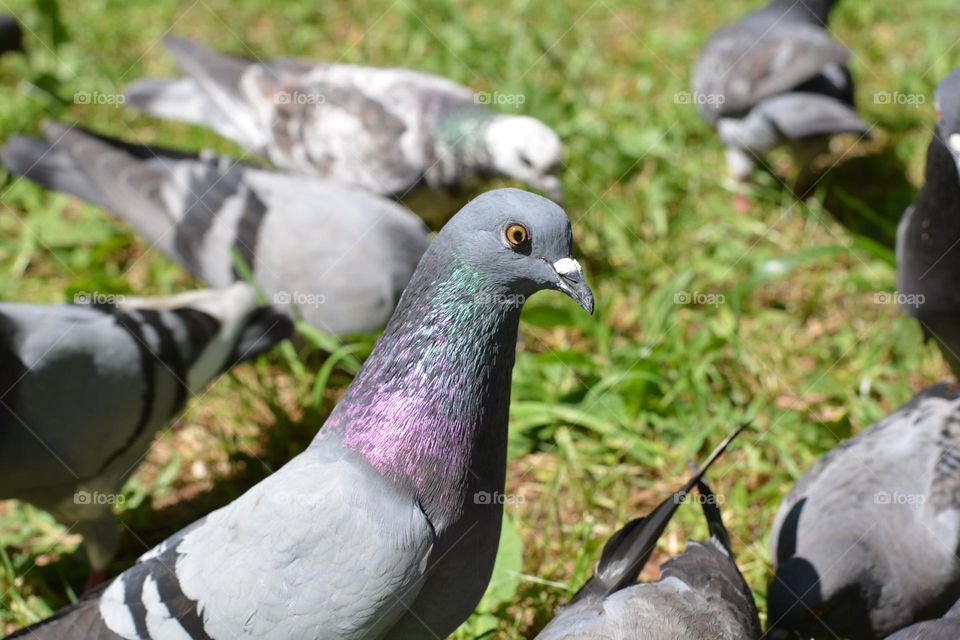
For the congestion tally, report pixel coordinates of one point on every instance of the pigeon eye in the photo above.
(516, 234)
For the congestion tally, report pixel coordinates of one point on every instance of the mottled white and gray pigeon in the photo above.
(945, 628)
(776, 77)
(333, 254)
(387, 130)
(928, 255)
(701, 594)
(374, 531)
(84, 389)
(866, 541)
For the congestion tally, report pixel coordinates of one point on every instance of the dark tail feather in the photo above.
(628, 549)
(53, 168)
(711, 511)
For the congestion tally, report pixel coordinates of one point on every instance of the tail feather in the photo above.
(628, 550)
(211, 95)
(170, 198)
(131, 188)
(49, 167)
(180, 99)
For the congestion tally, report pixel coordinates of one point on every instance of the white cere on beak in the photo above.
(954, 141)
(566, 266)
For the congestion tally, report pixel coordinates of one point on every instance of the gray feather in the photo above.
(867, 536)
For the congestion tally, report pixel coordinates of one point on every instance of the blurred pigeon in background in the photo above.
(701, 594)
(928, 255)
(375, 531)
(776, 77)
(866, 541)
(84, 389)
(336, 255)
(386, 130)
(945, 628)
(11, 34)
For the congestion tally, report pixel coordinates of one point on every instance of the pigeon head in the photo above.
(524, 148)
(947, 101)
(519, 243)
(429, 409)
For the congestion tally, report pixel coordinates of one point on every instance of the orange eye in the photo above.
(516, 234)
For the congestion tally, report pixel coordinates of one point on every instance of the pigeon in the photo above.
(928, 260)
(700, 595)
(332, 254)
(945, 628)
(85, 387)
(383, 526)
(776, 77)
(388, 130)
(865, 543)
(11, 35)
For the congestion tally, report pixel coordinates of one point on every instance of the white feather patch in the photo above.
(160, 623)
(566, 266)
(114, 611)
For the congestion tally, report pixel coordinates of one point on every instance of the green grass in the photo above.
(606, 410)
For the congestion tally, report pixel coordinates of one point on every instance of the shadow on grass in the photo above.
(868, 194)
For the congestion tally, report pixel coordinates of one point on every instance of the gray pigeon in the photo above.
(945, 628)
(334, 254)
(865, 542)
(928, 256)
(387, 130)
(375, 530)
(701, 594)
(776, 77)
(84, 389)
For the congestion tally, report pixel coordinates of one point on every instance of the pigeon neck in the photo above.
(926, 257)
(460, 147)
(806, 10)
(429, 408)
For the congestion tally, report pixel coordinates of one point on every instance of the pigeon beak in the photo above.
(954, 142)
(570, 280)
(551, 186)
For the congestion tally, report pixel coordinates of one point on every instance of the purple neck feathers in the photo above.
(429, 408)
